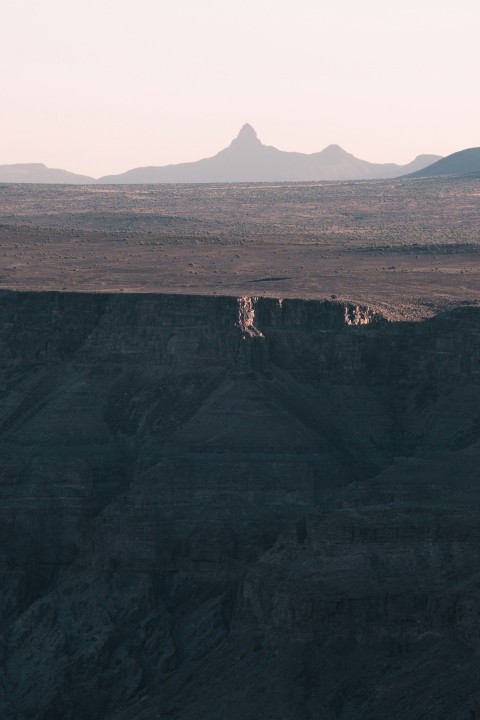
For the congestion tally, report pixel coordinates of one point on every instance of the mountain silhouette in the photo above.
(458, 163)
(40, 173)
(247, 159)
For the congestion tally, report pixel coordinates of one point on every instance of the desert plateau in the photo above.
(407, 247)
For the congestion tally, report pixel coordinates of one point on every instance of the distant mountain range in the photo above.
(463, 162)
(40, 173)
(246, 159)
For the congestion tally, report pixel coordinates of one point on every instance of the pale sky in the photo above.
(101, 86)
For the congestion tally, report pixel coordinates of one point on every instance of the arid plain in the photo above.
(406, 247)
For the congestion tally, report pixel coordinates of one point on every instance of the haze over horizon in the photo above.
(98, 89)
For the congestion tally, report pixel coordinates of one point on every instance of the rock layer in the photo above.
(220, 507)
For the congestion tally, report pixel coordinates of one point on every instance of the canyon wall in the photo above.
(237, 507)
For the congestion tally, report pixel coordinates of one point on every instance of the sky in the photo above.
(101, 86)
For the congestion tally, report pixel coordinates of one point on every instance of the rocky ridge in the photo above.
(463, 162)
(247, 159)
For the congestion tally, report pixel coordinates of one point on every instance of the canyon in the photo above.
(239, 451)
(237, 507)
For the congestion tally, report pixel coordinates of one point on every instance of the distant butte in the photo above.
(40, 174)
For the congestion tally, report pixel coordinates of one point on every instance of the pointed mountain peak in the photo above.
(334, 150)
(247, 135)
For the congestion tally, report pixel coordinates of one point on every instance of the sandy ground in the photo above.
(406, 247)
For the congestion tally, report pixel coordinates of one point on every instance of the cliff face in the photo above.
(221, 507)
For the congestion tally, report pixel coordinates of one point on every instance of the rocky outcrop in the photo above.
(220, 507)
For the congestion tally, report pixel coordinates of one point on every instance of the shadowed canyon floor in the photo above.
(240, 506)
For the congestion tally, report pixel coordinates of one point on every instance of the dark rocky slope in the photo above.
(462, 162)
(218, 508)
